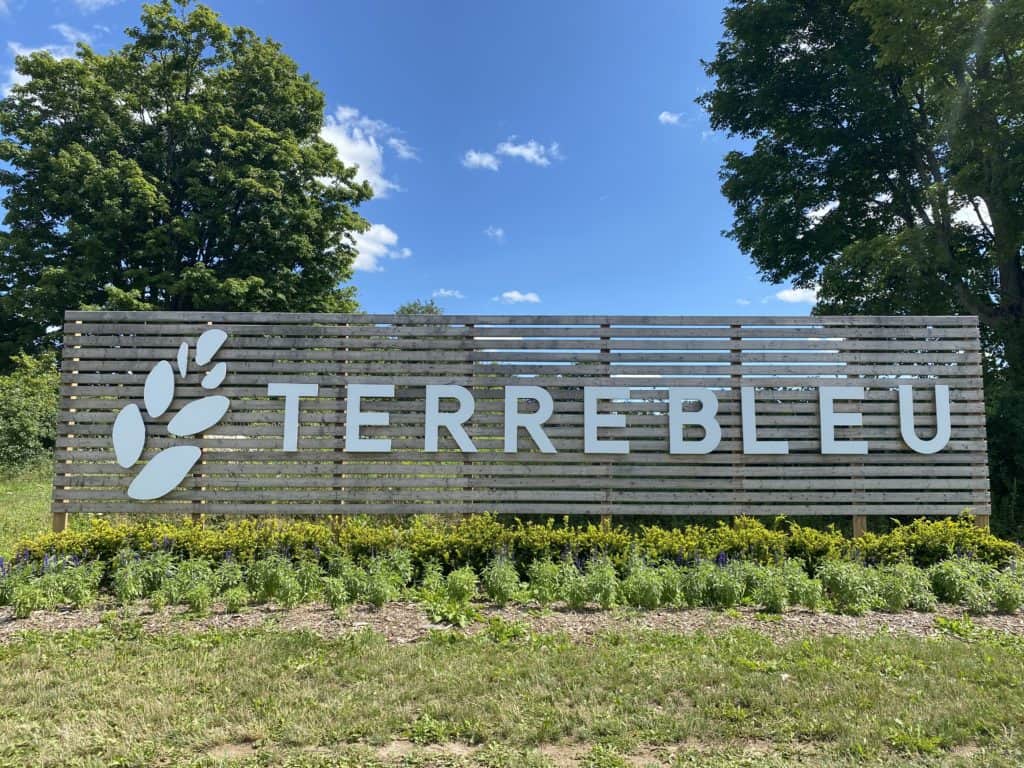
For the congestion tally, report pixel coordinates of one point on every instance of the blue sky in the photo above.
(538, 157)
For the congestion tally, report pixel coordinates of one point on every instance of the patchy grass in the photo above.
(24, 504)
(259, 697)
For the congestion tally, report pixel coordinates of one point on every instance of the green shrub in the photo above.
(236, 598)
(474, 541)
(957, 579)
(642, 587)
(572, 586)
(849, 586)
(771, 590)
(601, 582)
(198, 597)
(904, 586)
(696, 585)
(335, 592)
(544, 581)
(725, 587)
(28, 410)
(1008, 592)
(977, 598)
(460, 585)
(501, 581)
(26, 597)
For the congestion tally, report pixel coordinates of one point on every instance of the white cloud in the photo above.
(403, 149)
(375, 245)
(670, 118)
(474, 159)
(13, 77)
(743, 302)
(495, 233)
(88, 6)
(360, 141)
(798, 295)
(448, 293)
(532, 151)
(71, 34)
(517, 297)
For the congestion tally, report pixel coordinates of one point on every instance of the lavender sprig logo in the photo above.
(162, 474)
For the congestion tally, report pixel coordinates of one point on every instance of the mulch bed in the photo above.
(408, 623)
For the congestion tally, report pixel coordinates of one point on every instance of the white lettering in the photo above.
(942, 420)
(592, 420)
(749, 418)
(355, 418)
(531, 422)
(291, 394)
(450, 420)
(704, 418)
(827, 397)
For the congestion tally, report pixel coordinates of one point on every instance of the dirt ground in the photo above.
(408, 622)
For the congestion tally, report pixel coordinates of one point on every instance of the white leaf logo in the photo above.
(165, 471)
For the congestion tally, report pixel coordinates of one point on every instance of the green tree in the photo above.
(183, 171)
(886, 165)
(417, 307)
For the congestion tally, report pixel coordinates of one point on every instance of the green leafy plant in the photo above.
(642, 587)
(236, 598)
(602, 582)
(544, 578)
(1008, 592)
(850, 587)
(501, 581)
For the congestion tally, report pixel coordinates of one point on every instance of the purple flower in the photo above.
(721, 559)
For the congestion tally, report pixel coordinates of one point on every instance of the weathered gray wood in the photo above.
(107, 355)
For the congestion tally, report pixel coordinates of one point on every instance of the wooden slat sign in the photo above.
(260, 413)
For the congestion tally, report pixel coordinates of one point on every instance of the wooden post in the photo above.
(736, 384)
(982, 521)
(606, 349)
(60, 516)
(860, 525)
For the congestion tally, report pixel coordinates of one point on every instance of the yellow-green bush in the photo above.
(475, 539)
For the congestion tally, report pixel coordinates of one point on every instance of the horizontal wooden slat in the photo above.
(243, 471)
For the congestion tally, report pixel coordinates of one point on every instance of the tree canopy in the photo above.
(183, 171)
(886, 167)
(887, 164)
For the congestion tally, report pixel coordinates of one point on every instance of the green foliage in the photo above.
(903, 586)
(236, 598)
(223, 195)
(417, 307)
(725, 587)
(871, 131)
(772, 590)
(476, 540)
(601, 582)
(544, 580)
(850, 587)
(643, 587)
(1008, 592)
(501, 581)
(958, 580)
(28, 409)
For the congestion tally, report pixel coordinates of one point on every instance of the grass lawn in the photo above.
(505, 697)
(116, 696)
(24, 504)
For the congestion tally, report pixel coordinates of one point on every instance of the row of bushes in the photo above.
(476, 539)
(837, 585)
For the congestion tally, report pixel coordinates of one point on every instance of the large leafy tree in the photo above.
(183, 171)
(885, 164)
